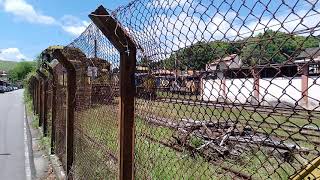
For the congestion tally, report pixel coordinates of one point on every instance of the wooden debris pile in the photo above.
(223, 140)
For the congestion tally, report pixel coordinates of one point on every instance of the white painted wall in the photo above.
(314, 91)
(287, 90)
(211, 90)
(239, 90)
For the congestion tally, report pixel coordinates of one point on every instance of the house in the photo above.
(311, 56)
(232, 61)
(3, 76)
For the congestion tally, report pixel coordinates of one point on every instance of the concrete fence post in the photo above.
(304, 84)
(256, 85)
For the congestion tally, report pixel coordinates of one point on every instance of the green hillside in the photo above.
(7, 65)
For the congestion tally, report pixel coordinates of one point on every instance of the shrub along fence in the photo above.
(186, 89)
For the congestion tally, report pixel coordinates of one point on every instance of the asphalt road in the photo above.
(12, 150)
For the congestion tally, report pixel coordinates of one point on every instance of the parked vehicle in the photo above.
(8, 88)
(2, 89)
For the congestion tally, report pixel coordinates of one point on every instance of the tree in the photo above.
(20, 71)
(275, 47)
(198, 55)
(268, 47)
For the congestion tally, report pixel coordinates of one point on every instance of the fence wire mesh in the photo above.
(49, 107)
(225, 89)
(61, 113)
(96, 118)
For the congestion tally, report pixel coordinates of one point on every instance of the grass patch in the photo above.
(35, 122)
(44, 143)
(153, 160)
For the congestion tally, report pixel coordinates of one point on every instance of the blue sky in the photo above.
(29, 26)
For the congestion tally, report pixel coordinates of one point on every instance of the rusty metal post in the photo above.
(53, 109)
(71, 94)
(41, 97)
(38, 97)
(40, 101)
(33, 94)
(44, 104)
(127, 49)
(32, 85)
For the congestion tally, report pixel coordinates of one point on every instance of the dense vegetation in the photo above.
(268, 47)
(20, 70)
(7, 65)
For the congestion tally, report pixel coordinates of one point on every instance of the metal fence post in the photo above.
(35, 95)
(71, 92)
(44, 106)
(33, 92)
(38, 96)
(53, 109)
(40, 100)
(127, 49)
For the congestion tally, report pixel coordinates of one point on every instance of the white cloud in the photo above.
(168, 32)
(22, 10)
(285, 22)
(74, 30)
(12, 54)
(73, 25)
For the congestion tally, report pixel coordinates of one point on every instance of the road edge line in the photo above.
(26, 149)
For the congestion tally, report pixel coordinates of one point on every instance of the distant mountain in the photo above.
(7, 65)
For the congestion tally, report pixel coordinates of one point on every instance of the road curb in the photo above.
(29, 160)
(53, 159)
(57, 167)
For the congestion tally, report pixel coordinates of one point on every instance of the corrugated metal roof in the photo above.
(309, 53)
(225, 59)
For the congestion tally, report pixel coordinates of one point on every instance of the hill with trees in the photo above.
(7, 65)
(265, 48)
(21, 69)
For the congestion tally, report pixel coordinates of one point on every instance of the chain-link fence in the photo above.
(229, 87)
(224, 90)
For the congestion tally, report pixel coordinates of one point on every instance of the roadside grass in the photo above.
(44, 142)
(153, 160)
(35, 122)
(260, 122)
(96, 137)
(233, 113)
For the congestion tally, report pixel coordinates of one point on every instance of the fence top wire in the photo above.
(95, 45)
